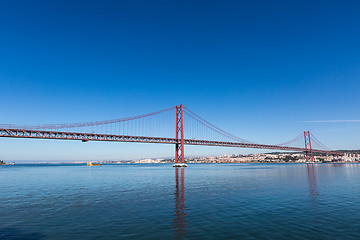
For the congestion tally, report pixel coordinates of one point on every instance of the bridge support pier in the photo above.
(179, 146)
(181, 165)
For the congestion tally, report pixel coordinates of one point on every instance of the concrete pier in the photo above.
(179, 165)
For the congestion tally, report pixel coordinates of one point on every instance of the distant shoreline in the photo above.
(134, 163)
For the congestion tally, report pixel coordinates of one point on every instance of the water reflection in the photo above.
(179, 223)
(312, 181)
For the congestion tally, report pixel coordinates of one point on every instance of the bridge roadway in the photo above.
(39, 134)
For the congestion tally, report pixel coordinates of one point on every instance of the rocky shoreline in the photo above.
(3, 163)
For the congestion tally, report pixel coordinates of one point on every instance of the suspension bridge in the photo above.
(160, 127)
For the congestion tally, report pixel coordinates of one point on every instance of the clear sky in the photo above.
(263, 70)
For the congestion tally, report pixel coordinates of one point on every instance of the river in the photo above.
(202, 201)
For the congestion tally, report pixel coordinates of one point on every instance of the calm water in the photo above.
(204, 201)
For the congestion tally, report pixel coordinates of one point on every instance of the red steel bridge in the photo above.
(159, 127)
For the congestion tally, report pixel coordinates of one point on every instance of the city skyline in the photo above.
(264, 71)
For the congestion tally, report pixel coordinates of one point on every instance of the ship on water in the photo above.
(89, 163)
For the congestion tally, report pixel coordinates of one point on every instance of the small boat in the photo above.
(93, 164)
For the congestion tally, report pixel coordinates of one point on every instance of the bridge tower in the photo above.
(308, 153)
(179, 146)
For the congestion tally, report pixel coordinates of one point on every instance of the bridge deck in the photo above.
(39, 134)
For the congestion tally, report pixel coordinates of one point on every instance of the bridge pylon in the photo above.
(308, 153)
(179, 146)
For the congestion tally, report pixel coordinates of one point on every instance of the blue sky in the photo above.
(263, 70)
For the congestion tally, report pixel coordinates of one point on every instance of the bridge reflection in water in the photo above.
(312, 181)
(179, 223)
